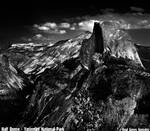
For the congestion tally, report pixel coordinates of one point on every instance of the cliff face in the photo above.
(79, 84)
(14, 87)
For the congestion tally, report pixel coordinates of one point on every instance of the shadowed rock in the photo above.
(98, 38)
(14, 87)
(144, 53)
(93, 45)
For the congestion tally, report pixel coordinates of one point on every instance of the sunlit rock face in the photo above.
(95, 81)
(119, 42)
(34, 58)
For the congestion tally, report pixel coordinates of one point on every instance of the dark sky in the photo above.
(28, 12)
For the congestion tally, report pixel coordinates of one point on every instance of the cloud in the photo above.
(137, 9)
(87, 25)
(62, 31)
(51, 25)
(38, 35)
(44, 28)
(64, 25)
(72, 28)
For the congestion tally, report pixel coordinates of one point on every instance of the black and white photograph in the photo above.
(75, 65)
